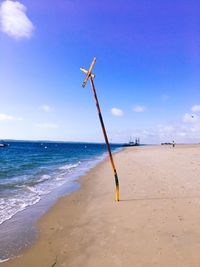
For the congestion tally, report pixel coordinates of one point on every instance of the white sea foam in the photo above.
(10, 207)
(30, 194)
(44, 178)
(1, 261)
(69, 167)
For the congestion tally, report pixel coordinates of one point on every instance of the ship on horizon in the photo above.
(133, 143)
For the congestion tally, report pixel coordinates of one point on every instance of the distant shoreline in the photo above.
(52, 141)
(100, 143)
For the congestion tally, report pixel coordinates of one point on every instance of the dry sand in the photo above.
(156, 223)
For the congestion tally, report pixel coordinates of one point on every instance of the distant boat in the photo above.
(131, 143)
(2, 144)
(166, 143)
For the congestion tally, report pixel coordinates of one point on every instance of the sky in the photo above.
(147, 70)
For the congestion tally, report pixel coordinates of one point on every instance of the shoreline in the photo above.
(154, 224)
(20, 232)
(16, 237)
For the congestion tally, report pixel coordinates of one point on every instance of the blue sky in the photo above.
(147, 70)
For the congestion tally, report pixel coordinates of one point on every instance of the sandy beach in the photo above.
(156, 222)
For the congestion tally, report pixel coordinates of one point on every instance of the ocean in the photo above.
(31, 170)
(33, 175)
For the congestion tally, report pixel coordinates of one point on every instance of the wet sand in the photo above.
(156, 222)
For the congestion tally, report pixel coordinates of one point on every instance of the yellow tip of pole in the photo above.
(117, 194)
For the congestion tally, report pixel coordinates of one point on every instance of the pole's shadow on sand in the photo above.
(159, 198)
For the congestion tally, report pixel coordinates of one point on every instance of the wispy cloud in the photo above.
(191, 118)
(6, 117)
(14, 21)
(186, 130)
(117, 112)
(179, 132)
(139, 108)
(46, 108)
(196, 108)
(47, 125)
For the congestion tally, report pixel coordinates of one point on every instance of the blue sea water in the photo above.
(31, 170)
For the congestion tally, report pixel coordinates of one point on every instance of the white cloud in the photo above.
(196, 108)
(139, 108)
(47, 125)
(117, 112)
(186, 130)
(5, 117)
(14, 21)
(46, 108)
(180, 132)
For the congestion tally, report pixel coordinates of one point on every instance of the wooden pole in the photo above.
(90, 76)
(106, 139)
